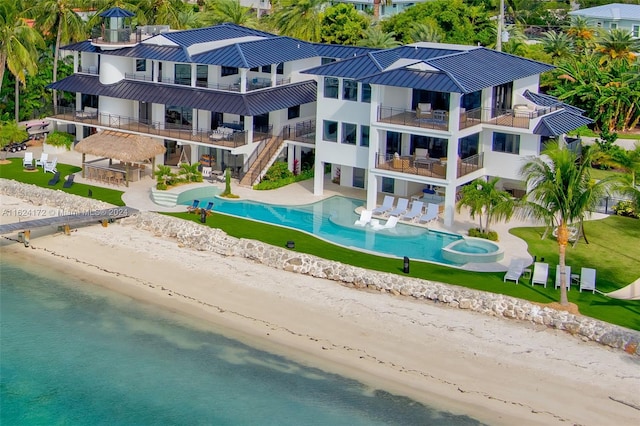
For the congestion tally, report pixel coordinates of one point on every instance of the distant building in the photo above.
(396, 6)
(613, 16)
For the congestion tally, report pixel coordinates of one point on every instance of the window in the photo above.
(349, 133)
(613, 25)
(202, 75)
(364, 135)
(366, 93)
(331, 85)
(325, 61)
(330, 131)
(388, 185)
(506, 142)
(280, 68)
(635, 31)
(255, 69)
(293, 112)
(350, 90)
(141, 65)
(183, 74)
(266, 68)
(358, 178)
(228, 71)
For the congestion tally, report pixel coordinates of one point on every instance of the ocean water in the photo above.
(76, 354)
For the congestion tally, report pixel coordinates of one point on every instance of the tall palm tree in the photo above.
(558, 45)
(58, 17)
(375, 37)
(163, 12)
(617, 45)
(484, 199)
(561, 192)
(220, 11)
(429, 32)
(376, 7)
(582, 33)
(299, 18)
(18, 47)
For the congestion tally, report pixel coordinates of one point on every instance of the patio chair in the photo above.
(415, 212)
(50, 166)
(391, 223)
(193, 207)
(540, 273)
(516, 268)
(55, 179)
(67, 183)
(387, 204)
(588, 279)
(401, 207)
(209, 206)
(432, 213)
(365, 218)
(42, 160)
(567, 277)
(28, 159)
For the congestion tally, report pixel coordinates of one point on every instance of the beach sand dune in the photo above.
(496, 370)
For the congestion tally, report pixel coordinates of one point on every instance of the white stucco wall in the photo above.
(113, 68)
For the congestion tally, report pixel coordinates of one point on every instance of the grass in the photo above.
(613, 251)
(599, 174)
(614, 271)
(585, 131)
(15, 171)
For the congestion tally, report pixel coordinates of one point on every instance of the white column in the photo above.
(372, 191)
(194, 74)
(452, 159)
(75, 62)
(156, 71)
(243, 80)
(274, 76)
(318, 177)
(248, 127)
(291, 152)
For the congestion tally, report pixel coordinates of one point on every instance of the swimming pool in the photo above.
(476, 250)
(332, 219)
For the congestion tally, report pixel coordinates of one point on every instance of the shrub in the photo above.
(626, 208)
(60, 139)
(278, 170)
(268, 184)
(491, 235)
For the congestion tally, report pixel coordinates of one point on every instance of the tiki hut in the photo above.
(125, 147)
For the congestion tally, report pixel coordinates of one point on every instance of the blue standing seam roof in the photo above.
(187, 38)
(249, 104)
(415, 79)
(548, 100)
(560, 122)
(117, 12)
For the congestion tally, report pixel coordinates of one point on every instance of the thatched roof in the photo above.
(120, 146)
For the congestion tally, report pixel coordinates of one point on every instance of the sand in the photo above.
(498, 371)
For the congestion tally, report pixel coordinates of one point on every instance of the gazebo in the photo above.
(125, 147)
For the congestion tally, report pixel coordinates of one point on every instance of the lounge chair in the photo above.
(540, 273)
(415, 212)
(193, 207)
(365, 218)
(567, 277)
(433, 210)
(67, 183)
(28, 159)
(401, 207)
(391, 223)
(588, 279)
(516, 268)
(43, 159)
(209, 206)
(50, 166)
(55, 179)
(387, 204)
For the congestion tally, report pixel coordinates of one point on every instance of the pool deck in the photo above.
(137, 195)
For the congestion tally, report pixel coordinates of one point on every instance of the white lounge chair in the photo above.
(567, 277)
(50, 166)
(365, 218)
(540, 273)
(432, 213)
(44, 157)
(28, 159)
(391, 223)
(516, 268)
(415, 212)
(588, 279)
(401, 207)
(387, 204)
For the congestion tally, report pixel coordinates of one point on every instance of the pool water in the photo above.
(472, 248)
(332, 219)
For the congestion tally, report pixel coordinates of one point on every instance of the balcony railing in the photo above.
(430, 167)
(437, 120)
(157, 129)
(91, 69)
(115, 36)
(233, 87)
(303, 131)
(516, 117)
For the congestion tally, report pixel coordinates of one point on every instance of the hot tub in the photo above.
(473, 250)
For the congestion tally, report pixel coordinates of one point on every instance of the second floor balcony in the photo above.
(251, 83)
(430, 167)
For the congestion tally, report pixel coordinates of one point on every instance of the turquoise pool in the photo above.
(332, 219)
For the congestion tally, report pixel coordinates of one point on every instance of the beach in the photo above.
(495, 370)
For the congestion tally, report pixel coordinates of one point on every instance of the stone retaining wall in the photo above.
(195, 236)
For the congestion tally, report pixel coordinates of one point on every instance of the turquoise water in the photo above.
(75, 354)
(332, 219)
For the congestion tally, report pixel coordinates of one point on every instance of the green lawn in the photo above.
(613, 251)
(15, 171)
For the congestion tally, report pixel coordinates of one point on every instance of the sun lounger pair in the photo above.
(433, 210)
(390, 224)
(365, 218)
(415, 212)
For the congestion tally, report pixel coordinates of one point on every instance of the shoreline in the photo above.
(495, 370)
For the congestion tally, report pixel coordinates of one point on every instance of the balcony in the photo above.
(430, 167)
(115, 37)
(436, 120)
(519, 117)
(252, 83)
(303, 131)
(157, 129)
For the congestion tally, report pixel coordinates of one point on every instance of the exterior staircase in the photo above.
(262, 158)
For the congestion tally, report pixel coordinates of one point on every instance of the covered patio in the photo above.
(134, 153)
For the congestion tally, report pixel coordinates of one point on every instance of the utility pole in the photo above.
(500, 27)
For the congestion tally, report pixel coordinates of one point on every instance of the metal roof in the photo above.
(81, 46)
(548, 100)
(253, 103)
(226, 31)
(117, 12)
(361, 66)
(148, 51)
(424, 80)
(340, 51)
(614, 11)
(560, 122)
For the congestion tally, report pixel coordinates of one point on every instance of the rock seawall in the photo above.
(195, 236)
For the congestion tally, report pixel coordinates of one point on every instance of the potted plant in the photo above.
(57, 142)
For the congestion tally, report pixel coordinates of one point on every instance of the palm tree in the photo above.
(58, 17)
(18, 48)
(376, 7)
(375, 37)
(423, 31)
(558, 45)
(163, 12)
(617, 45)
(220, 11)
(582, 33)
(561, 192)
(299, 18)
(484, 199)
